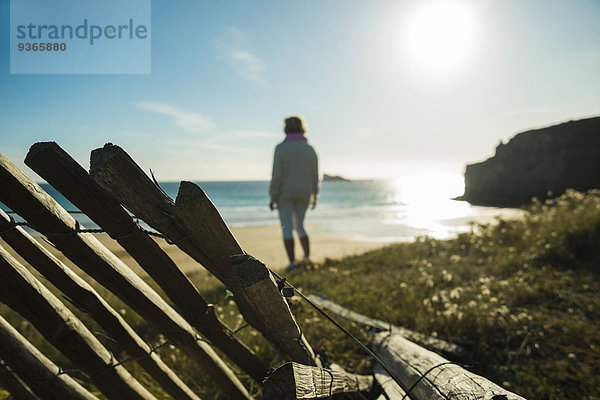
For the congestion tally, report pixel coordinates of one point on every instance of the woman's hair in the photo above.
(294, 124)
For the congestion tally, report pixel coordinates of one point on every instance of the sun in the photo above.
(439, 36)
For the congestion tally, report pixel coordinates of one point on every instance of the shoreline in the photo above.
(264, 243)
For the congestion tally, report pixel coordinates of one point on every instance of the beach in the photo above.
(265, 243)
(350, 219)
(262, 242)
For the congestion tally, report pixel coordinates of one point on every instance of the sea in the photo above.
(370, 210)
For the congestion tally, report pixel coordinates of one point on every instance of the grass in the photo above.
(522, 295)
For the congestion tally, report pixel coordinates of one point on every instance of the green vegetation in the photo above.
(522, 295)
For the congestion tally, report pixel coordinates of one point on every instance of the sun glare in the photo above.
(426, 202)
(439, 35)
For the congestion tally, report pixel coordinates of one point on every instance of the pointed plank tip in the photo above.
(100, 156)
(188, 191)
(37, 148)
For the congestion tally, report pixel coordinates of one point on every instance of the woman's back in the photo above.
(297, 162)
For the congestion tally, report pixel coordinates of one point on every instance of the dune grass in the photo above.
(522, 295)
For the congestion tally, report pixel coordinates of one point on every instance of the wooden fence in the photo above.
(115, 184)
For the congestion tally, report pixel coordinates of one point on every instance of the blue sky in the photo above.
(388, 88)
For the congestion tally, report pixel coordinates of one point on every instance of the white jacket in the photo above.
(295, 171)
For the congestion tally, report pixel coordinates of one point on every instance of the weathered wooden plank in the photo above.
(36, 370)
(271, 317)
(114, 170)
(60, 170)
(41, 211)
(367, 393)
(22, 292)
(349, 314)
(85, 297)
(442, 379)
(14, 385)
(262, 303)
(438, 345)
(388, 385)
(294, 381)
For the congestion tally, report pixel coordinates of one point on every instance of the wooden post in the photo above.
(438, 345)
(22, 292)
(294, 381)
(260, 299)
(61, 171)
(388, 385)
(15, 385)
(196, 227)
(442, 379)
(85, 297)
(116, 172)
(41, 211)
(271, 317)
(37, 371)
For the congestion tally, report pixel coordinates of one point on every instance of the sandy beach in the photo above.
(263, 243)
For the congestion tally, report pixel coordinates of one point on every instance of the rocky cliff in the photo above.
(539, 163)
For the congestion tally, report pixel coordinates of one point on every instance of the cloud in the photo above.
(207, 136)
(188, 121)
(232, 45)
(211, 145)
(256, 134)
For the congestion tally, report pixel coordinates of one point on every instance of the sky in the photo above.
(387, 88)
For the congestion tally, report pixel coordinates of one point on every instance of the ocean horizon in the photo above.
(382, 210)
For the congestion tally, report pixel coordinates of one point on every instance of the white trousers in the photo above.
(291, 215)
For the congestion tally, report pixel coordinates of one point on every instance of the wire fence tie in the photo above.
(241, 328)
(176, 242)
(200, 339)
(13, 225)
(62, 234)
(136, 229)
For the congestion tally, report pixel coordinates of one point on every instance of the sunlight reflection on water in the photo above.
(377, 210)
(407, 207)
(427, 202)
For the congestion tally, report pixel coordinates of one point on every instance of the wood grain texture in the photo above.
(117, 173)
(192, 223)
(388, 385)
(294, 381)
(86, 298)
(36, 370)
(443, 380)
(59, 169)
(259, 299)
(449, 349)
(40, 210)
(272, 314)
(22, 292)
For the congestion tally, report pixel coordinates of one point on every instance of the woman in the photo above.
(294, 184)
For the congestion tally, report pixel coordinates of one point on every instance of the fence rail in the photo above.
(196, 227)
(86, 298)
(192, 223)
(61, 171)
(39, 373)
(24, 196)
